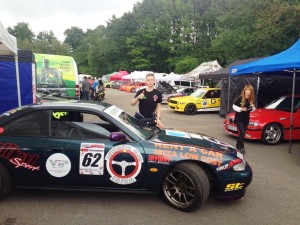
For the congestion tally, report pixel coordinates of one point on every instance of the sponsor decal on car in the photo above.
(234, 187)
(21, 159)
(58, 115)
(58, 165)
(189, 152)
(123, 172)
(159, 159)
(229, 165)
(176, 133)
(91, 159)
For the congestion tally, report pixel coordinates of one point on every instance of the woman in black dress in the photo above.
(242, 106)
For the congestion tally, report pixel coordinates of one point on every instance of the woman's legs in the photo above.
(242, 130)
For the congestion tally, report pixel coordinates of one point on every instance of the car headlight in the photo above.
(229, 118)
(253, 123)
(240, 167)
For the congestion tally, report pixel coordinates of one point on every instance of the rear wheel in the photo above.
(186, 187)
(272, 134)
(5, 182)
(190, 109)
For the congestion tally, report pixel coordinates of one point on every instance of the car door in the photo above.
(21, 146)
(80, 154)
(296, 120)
(212, 98)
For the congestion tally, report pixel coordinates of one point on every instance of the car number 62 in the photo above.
(91, 160)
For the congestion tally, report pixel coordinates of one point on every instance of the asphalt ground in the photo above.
(272, 198)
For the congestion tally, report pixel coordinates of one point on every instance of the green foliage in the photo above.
(22, 32)
(186, 65)
(174, 35)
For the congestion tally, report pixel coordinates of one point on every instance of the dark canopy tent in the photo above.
(285, 65)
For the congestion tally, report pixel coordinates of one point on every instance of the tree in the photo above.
(73, 36)
(22, 31)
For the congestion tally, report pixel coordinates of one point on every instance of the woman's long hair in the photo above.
(251, 98)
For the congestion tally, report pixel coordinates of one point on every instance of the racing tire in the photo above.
(190, 109)
(5, 182)
(272, 134)
(186, 187)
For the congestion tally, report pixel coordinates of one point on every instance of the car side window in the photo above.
(31, 124)
(79, 125)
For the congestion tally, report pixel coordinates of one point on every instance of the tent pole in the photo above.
(292, 111)
(18, 80)
(228, 94)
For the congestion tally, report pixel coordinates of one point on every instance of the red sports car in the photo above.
(270, 124)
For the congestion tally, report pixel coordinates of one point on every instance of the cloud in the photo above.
(59, 15)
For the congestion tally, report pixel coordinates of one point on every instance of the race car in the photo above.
(203, 99)
(270, 124)
(77, 145)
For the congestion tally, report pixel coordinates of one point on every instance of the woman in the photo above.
(242, 106)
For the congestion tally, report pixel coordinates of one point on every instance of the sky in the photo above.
(59, 15)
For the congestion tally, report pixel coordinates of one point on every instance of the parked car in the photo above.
(117, 84)
(180, 92)
(203, 99)
(132, 87)
(97, 146)
(122, 87)
(271, 123)
(108, 84)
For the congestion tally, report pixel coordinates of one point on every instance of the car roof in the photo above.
(73, 104)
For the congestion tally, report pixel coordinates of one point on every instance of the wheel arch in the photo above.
(212, 177)
(11, 180)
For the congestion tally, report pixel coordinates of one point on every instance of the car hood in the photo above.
(174, 137)
(185, 99)
(265, 113)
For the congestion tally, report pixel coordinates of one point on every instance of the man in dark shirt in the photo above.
(85, 88)
(149, 100)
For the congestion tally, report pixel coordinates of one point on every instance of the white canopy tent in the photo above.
(170, 77)
(136, 75)
(205, 67)
(8, 46)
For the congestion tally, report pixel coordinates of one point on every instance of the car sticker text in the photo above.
(125, 171)
(91, 159)
(13, 153)
(58, 165)
(187, 152)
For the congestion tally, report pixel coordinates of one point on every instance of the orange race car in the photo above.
(133, 86)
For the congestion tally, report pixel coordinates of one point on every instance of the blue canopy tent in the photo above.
(286, 62)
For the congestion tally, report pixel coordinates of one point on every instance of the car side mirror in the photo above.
(117, 136)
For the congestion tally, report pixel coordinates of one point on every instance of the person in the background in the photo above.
(100, 86)
(95, 85)
(85, 88)
(149, 100)
(242, 106)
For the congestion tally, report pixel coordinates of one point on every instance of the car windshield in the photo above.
(180, 90)
(198, 93)
(284, 104)
(136, 126)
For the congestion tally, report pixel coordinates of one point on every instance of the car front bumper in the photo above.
(252, 133)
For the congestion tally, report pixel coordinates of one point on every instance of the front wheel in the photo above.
(190, 109)
(186, 187)
(272, 134)
(5, 182)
